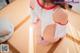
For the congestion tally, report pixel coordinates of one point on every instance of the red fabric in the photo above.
(47, 8)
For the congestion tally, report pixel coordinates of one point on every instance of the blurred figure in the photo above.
(51, 19)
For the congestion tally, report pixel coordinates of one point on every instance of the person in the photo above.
(6, 29)
(51, 19)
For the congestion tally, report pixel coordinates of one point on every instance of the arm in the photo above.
(49, 33)
(60, 16)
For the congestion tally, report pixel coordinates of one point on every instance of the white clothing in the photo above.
(46, 19)
(60, 31)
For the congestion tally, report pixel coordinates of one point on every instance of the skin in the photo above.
(49, 33)
(60, 16)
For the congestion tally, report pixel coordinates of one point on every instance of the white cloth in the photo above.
(60, 31)
(46, 19)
